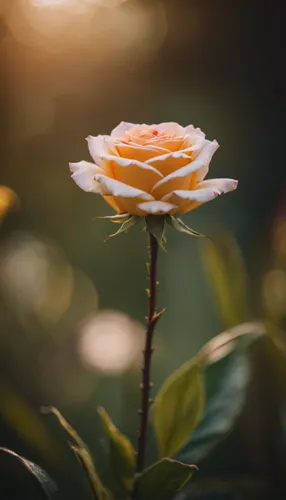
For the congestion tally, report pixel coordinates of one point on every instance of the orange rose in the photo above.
(151, 169)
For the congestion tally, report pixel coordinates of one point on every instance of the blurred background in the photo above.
(71, 306)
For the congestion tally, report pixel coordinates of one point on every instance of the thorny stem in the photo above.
(147, 354)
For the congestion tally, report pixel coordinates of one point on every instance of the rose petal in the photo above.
(141, 153)
(111, 201)
(194, 131)
(181, 178)
(83, 173)
(116, 188)
(156, 207)
(171, 128)
(206, 191)
(222, 185)
(134, 173)
(169, 162)
(98, 146)
(199, 195)
(120, 130)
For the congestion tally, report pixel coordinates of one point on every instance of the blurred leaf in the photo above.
(225, 269)
(84, 457)
(17, 469)
(25, 421)
(134, 219)
(180, 226)
(121, 455)
(226, 375)
(162, 480)
(177, 408)
(156, 225)
(83, 454)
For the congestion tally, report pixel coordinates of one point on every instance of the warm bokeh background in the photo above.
(72, 306)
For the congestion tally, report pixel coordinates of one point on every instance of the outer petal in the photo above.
(111, 201)
(98, 146)
(134, 173)
(120, 130)
(83, 173)
(194, 132)
(125, 197)
(206, 191)
(157, 207)
(181, 178)
(116, 188)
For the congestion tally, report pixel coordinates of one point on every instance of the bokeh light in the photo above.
(63, 25)
(111, 342)
(35, 277)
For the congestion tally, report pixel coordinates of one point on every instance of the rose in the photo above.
(151, 169)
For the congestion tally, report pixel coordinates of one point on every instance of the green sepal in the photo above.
(180, 226)
(178, 408)
(121, 457)
(156, 225)
(117, 218)
(162, 480)
(133, 219)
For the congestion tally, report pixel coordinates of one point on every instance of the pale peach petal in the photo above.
(121, 129)
(194, 131)
(199, 195)
(134, 173)
(99, 145)
(201, 173)
(222, 185)
(134, 151)
(181, 178)
(116, 188)
(111, 201)
(157, 207)
(170, 162)
(206, 191)
(83, 173)
(170, 128)
(171, 144)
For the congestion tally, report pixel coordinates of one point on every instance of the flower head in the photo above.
(151, 169)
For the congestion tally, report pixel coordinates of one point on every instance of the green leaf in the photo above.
(19, 472)
(162, 480)
(134, 219)
(118, 218)
(177, 408)
(226, 272)
(121, 456)
(226, 375)
(86, 462)
(156, 225)
(180, 226)
(83, 454)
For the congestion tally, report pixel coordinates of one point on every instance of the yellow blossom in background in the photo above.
(151, 169)
(8, 200)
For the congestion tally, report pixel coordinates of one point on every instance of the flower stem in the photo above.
(147, 353)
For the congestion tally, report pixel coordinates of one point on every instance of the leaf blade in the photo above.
(162, 480)
(121, 455)
(177, 408)
(40, 477)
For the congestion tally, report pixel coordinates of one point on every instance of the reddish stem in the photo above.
(147, 353)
